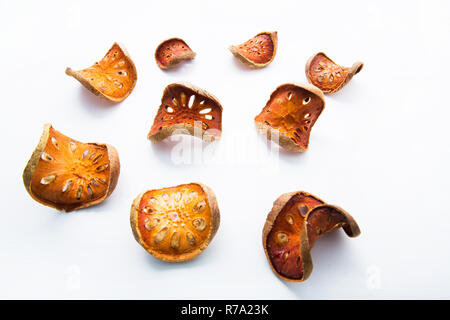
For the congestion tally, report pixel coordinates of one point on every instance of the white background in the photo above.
(380, 149)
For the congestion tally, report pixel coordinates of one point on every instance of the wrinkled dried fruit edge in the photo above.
(356, 68)
(167, 132)
(351, 228)
(278, 205)
(284, 140)
(185, 56)
(98, 93)
(215, 223)
(114, 163)
(273, 36)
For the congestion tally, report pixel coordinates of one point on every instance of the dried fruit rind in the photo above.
(66, 174)
(113, 78)
(290, 114)
(175, 224)
(258, 51)
(187, 109)
(325, 74)
(171, 52)
(295, 222)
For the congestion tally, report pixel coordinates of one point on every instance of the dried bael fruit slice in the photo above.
(186, 109)
(257, 52)
(66, 174)
(175, 224)
(290, 114)
(113, 78)
(171, 52)
(295, 222)
(330, 77)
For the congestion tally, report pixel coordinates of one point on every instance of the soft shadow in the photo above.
(181, 65)
(348, 94)
(284, 154)
(94, 104)
(164, 266)
(238, 64)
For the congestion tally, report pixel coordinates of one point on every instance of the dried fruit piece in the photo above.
(66, 178)
(113, 78)
(186, 109)
(290, 114)
(287, 245)
(171, 52)
(172, 229)
(330, 77)
(257, 52)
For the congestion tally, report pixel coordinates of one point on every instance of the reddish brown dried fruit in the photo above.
(113, 78)
(171, 52)
(65, 174)
(187, 109)
(175, 224)
(295, 222)
(258, 51)
(290, 114)
(330, 77)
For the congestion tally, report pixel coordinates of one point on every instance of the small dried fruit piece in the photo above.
(187, 109)
(171, 52)
(113, 78)
(168, 225)
(65, 174)
(287, 245)
(330, 77)
(290, 114)
(258, 51)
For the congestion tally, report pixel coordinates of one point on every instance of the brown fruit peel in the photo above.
(171, 52)
(177, 115)
(290, 232)
(258, 51)
(113, 78)
(325, 74)
(189, 214)
(290, 114)
(64, 174)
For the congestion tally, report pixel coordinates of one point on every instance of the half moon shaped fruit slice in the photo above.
(257, 52)
(330, 77)
(290, 114)
(187, 109)
(171, 52)
(297, 219)
(113, 78)
(175, 224)
(66, 174)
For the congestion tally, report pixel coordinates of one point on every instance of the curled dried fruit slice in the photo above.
(177, 223)
(330, 77)
(290, 114)
(113, 78)
(171, 52)
(257, 52)
(186, 109)
(295, 222)
(65, 174)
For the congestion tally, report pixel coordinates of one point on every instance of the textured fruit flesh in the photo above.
(174, 221)
(171, 51)
(114, 75)
(283, 241)
(183, 105)
(259, 49)
(325, 74)
(70, 173)
(292, 110)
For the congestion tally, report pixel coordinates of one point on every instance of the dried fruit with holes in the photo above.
(290, 114)
(186, 109)
(113, 78)
(171, 52)
(330, 77)
(258, 51)
(177, 223)
(295, 222)
(66, 174)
